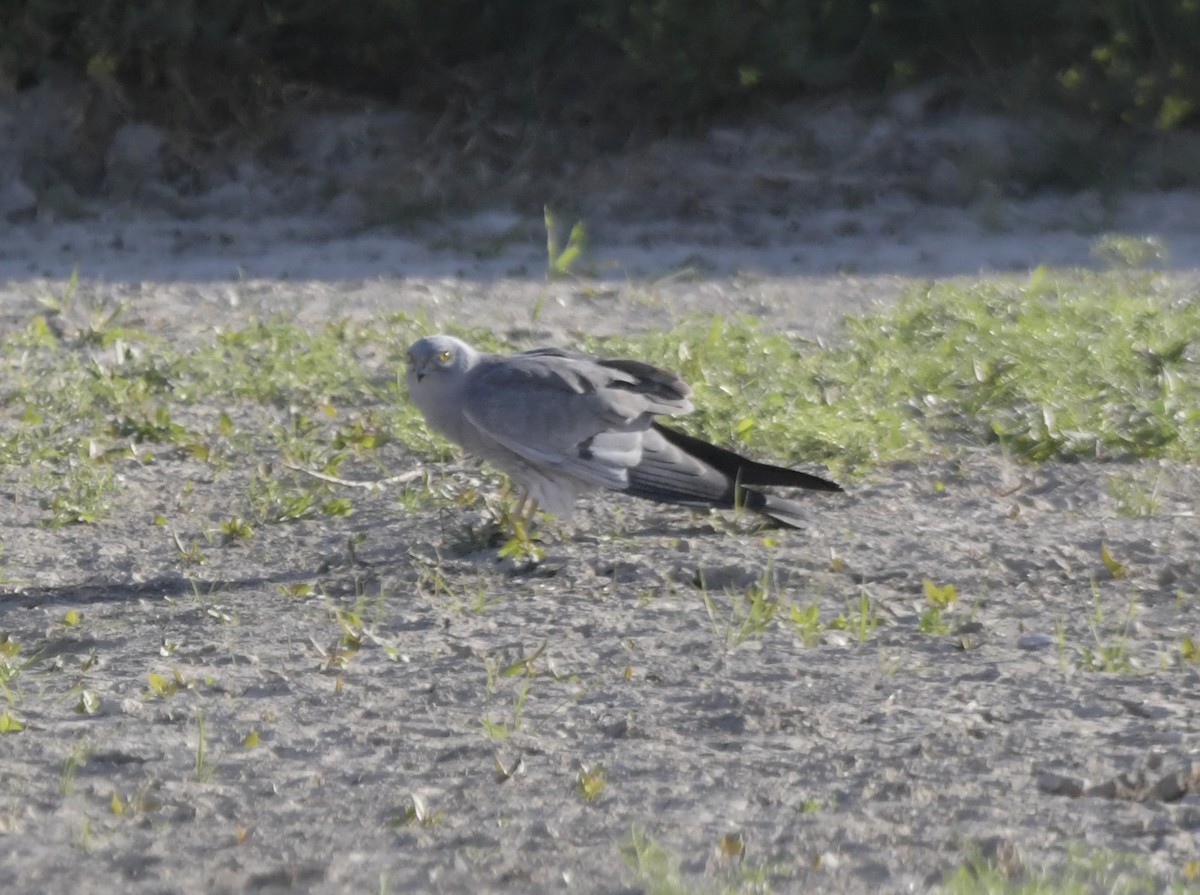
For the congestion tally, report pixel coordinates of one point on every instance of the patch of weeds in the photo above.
(190, 554)
(561, 259)
(11, 664)
(152, 426)
(88, 703)
(142, 802)
(504, 727)
(859, 618)
(1121, 250)
(526, 669)
(1082, 873)
(360, 435)
(79, 318)
(590, 781)
(1109, 650)
(655, 869)
(83, 495)
(433, 584)
(10, 723)
(71, 765)
(236, 530)
(416, 813)
(1134, 493)
(350, 640)
(522, 548)
(750, 613)
(82, 838)
(274, 501)
(938, 599)
(203, 767)
(276, 363)
(1115, 568)
(1189, 652)
(759, 608)
(806, 622)
(297, 590)
(164, 687)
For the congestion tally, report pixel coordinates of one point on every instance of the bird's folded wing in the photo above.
(570, 412)
(657, 390)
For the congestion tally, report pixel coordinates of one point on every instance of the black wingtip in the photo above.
(745, 472)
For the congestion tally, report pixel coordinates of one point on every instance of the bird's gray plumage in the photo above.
(561, 423)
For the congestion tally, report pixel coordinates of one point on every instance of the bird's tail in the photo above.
(683, 469)
(748, 472)
(780, 510)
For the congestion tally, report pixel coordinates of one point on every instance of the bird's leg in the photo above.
(523, 513)
(519, 510)
(526, 519)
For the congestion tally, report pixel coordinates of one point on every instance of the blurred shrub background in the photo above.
(662, 64)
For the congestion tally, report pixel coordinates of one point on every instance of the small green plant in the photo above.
(297, 590)
(1115, 568)
(1189, 652)
(11, 664)
(203, 767)
(759, 609)
(416, 813)
(190, 554)
(274, 502)
(162, 686)
(73, 762)
(525, 667)
(81, 320)
(1135, 496)
(10, 723)
(655, 869)
(1109, 649)
(938, 598)
(89, 702)
(143, 426)
(1082, 872)
(82, 496)
(235, 529)
(82, 840)
(560, 260)
(504, 728)
(749, 615)
(521, 546)
(591, 781)
(1124, 251)
(806, 622)
(859, 618)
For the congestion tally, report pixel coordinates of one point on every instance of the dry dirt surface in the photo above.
(381, 703)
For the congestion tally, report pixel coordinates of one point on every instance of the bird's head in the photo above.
(438, 357)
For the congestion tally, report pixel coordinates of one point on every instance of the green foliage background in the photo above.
(210, 62)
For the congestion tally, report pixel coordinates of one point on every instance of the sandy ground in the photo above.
(848, 765)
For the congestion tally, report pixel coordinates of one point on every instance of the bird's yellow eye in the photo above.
(443, 356)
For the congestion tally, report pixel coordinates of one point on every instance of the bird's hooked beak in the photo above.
(415, 369)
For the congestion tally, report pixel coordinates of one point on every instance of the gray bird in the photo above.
(561, 423)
